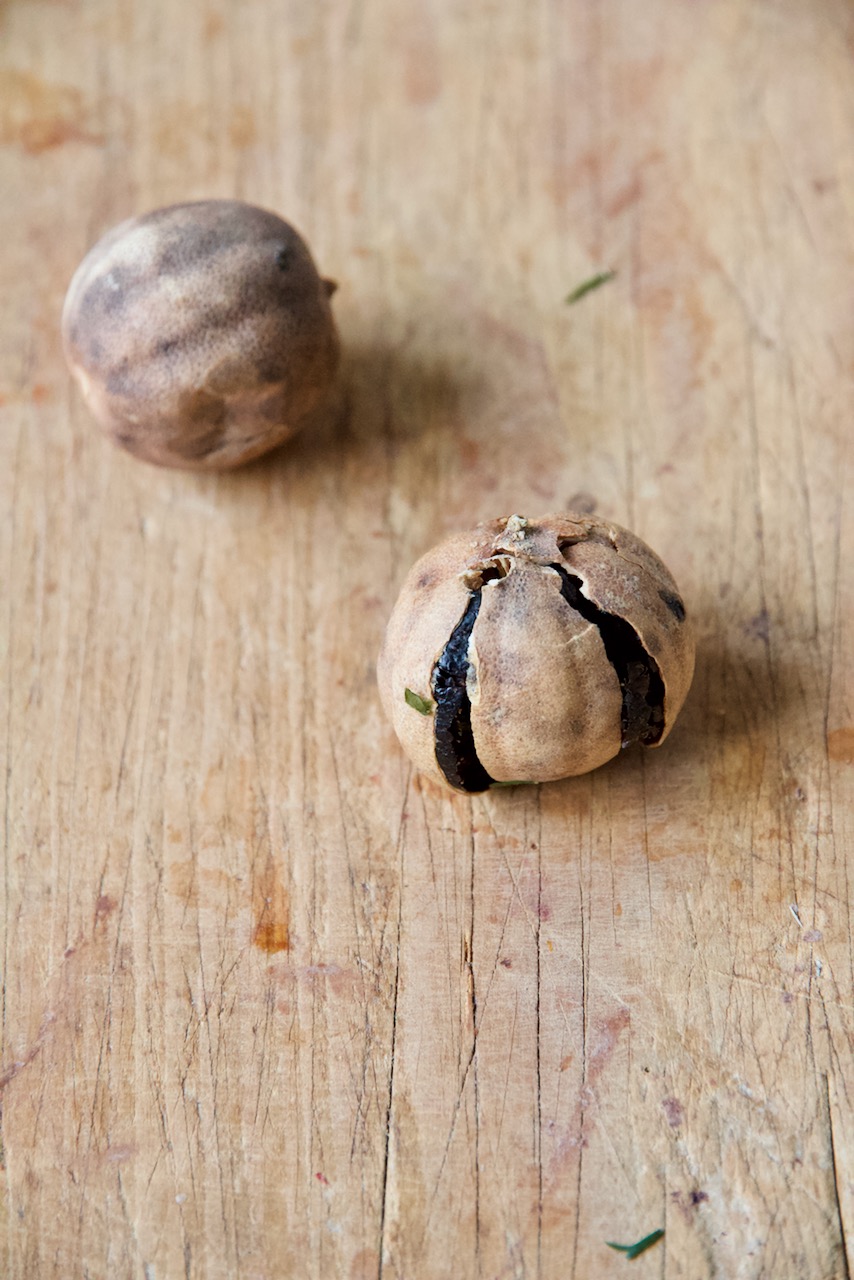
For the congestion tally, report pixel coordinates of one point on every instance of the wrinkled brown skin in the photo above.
(201, 334)
(545, 699)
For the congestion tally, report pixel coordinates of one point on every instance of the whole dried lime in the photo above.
(200, 334)
(525, 651)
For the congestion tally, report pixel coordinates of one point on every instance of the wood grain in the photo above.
(272, 1006)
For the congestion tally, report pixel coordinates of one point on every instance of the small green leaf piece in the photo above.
(633, 1251)
(587, 286)
(414, 700)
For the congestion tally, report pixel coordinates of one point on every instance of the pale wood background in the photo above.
(271, 1006)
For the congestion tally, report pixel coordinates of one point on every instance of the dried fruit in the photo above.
(201, 334)
(544, 647)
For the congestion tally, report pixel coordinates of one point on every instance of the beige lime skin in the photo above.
(201, 334)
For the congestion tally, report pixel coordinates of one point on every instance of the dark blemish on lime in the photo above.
(107, 293)
(674, 604)
(642, 714)
(456, 754)
(186, 247)
(120, 379)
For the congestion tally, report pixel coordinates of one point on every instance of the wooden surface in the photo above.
(272, 1007)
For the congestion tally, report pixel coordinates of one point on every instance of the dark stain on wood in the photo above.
(39, 116)
(840, 745)
(271, 911)
(674, 1111)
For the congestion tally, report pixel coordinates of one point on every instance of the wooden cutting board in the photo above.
(273, 1006)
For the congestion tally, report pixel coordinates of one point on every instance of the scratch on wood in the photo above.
(539, 1035)
(20, 1064)
(388, 1119)
(584, 1065)
(474, 1031)
(384, 1192)
(835, 1167)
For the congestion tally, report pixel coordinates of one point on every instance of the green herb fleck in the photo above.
(635, 1250)
(414, 700)
(587, 286)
